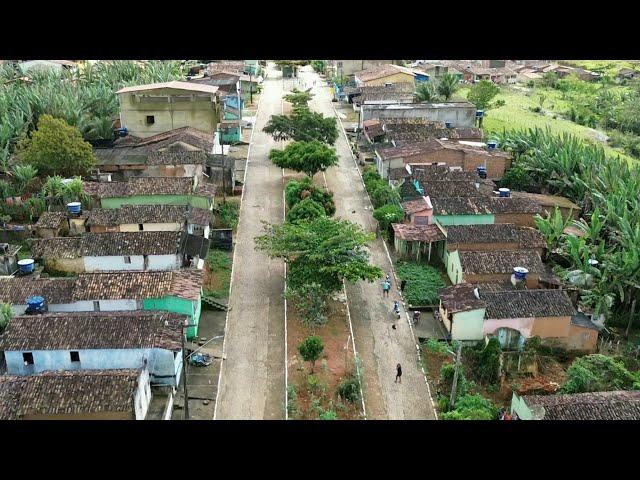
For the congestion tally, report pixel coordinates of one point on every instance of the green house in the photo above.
(175, 304)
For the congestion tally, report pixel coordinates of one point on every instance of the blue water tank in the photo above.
(479, 113)
(504, 192)
(74, 207)
(448, 124)
(36, 302)
(520, 273)
(122, 132)
(27, 265)
(492, 145)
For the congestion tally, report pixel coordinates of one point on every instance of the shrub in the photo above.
(306, 210)
(5, 315)
(472, 407)
(484, 361)
(296, 191)
(435, 346)
(598, 373)
(229, 214)
(310, 349)
(388, 214)
(447, 372)
(423, 282)
(349, 389)
(310, 300)
(328, 415)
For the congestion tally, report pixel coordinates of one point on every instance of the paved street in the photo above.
(379, 346)
(252, 374)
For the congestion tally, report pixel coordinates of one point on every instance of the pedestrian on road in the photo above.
(396, 308)
(388, 279)
(416, 317)
(403, 284)
(386, 286)
(398, 374)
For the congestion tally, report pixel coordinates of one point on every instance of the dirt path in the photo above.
(379, 346)
(253, 373)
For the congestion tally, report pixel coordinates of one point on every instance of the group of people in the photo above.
(386, 287)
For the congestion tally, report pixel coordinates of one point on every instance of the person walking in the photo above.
(403, 284)
(388, 279)
(398, 374)
(386, 286)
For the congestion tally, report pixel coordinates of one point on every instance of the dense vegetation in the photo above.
(599, 373)
(423, 282)
(607, 190)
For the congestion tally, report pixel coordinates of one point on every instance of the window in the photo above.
(151, 119)
(127, 259)
(140, 226)
(28, 358)
(75, 356)
(96, 305)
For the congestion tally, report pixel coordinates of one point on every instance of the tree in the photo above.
(303, 125)
(308, 157)
(426, 92)
(23, 175)
(388, 214)
(383, 194)
(56, 148)
(472, 407)
(306, 210)
(311, 349)
(310, 300)
(447, 86)
(298, 99)
(323, 251)
(549, 79)
(296, 191)
(318, 66)
(5, 315)
(598, 373)
(482, 93)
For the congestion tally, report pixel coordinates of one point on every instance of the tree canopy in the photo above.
(599, 373)
(324, 251)
(426, 92)
(56, 148)
(482, 93)
(306, 210)
(298, 98)
(296, 191)
(303, 126)
(311, 349)
(308, 157)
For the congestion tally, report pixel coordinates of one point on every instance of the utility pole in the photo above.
(454, 386)
(250, 89)
(184, 371)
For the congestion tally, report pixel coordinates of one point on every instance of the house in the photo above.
(514, 316)
(416, 239)
(95, 252)
(628, 73)
(436, 70)
(150, 218)
(493, 63)
(373, 130)
(528, 74)
(389, 94)
(436, 151)
(123, 394)
(484, 210)
(52, 224)
(8, 258)
(493, 237)
(148, 110)
(548, 204)
(460, 114)
(439, 180)
(346, 68)
(384, 74)
(616, 405)
(151, 191)
(34, 344)
(229, 92)
(496, 75)
(418, 211)
(176, 153)
(177, 291)
(493, 266)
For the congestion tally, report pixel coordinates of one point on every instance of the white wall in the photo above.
(164, 262)
(151, 227)
(93, 264)
(142, 396)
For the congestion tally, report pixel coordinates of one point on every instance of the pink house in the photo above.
(419, 211)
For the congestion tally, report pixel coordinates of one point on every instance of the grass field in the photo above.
(608, 67)
(517, 114)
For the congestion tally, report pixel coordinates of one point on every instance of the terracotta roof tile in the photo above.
(140, 186)
(15, 291)
(460, 298)
(499, 262)
(483, 205)
(417, 233)
(94, 330)
(527, 304)
(616, 405)
(51, 220)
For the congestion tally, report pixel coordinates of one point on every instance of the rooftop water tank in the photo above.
(479, 113)
(482, 171)
(520, 273)
(492, 145)
(26, 266)
(448, 124)
(122, 132)
(35, 304)
(74, 207)
(504, 192)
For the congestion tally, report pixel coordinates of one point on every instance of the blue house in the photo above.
(33, 344)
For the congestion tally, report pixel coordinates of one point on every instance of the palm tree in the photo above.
(426, 92)
(54, 189)
(447, 86)
(23, 176)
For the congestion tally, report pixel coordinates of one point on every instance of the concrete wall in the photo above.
(200, 111)
(150, 227)
(459, 116)
(84, 416)
(454, 269)
(177, 305)
(72, 265)
(97, 264)
(160, 362)
(117, 202)
(349, 67)
(164, 262)
(468, 325)
(142, 395)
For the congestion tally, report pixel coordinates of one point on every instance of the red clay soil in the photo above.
(330, 369)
